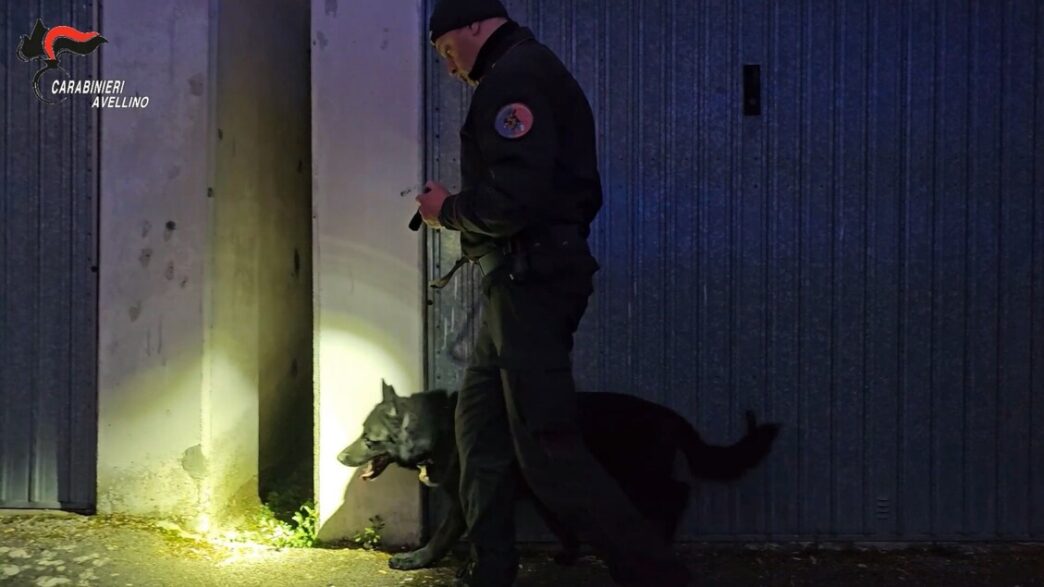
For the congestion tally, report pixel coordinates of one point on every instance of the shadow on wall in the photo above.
(285, 459)
(382, 497)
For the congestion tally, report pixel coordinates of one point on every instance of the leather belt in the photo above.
(569, 237)
(559, 236)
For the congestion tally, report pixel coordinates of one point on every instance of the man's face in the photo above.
(458, 49)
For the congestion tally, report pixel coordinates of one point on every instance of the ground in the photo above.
(51, 549)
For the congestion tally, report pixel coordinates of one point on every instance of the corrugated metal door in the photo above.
(861, 261)
(48, 295)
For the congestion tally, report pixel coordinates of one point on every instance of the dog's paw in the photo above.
(407, 561)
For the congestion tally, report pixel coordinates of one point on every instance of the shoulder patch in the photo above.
(514, 120)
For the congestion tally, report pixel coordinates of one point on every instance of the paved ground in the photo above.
(49, 550)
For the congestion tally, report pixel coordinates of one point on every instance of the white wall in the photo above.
(153, 170)
(367, 148)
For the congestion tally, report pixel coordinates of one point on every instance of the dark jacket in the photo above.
(513, 186)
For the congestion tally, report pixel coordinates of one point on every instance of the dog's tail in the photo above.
(725, 463)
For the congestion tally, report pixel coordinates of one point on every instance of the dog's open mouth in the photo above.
(375, 467)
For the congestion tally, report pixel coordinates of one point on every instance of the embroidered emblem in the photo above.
(514, 121)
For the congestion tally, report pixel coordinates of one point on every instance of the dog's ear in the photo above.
(388, 392)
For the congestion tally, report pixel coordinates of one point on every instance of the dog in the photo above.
(635, 440)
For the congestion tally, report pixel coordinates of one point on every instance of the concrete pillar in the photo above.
(205, 289)
(367, 139)
(154, 223)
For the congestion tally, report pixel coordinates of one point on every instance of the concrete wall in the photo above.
(279, 172)
(203, 307)
(205, 251)
(154, 247)
(367, 140)
(260, 348)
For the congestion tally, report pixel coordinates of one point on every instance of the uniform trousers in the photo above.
(517, 414)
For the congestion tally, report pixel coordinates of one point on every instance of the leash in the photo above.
(445, 279)
(456, 352)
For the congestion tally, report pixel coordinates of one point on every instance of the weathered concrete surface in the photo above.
(259, 348)
(205, 287)
(153, 233)
(42, 550)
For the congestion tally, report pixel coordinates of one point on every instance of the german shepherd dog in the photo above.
(635, 440)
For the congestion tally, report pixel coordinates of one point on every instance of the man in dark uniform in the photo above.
(529, 191)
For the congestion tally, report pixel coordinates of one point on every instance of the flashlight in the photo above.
(416, 221)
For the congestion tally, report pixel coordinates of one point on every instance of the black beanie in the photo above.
(454, 14)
